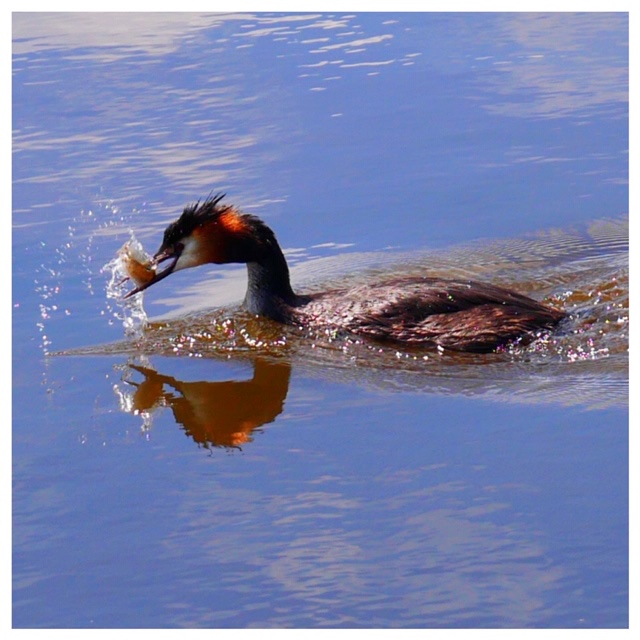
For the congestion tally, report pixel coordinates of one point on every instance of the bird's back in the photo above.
(459, 315)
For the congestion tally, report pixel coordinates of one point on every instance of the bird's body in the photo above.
(456, 315)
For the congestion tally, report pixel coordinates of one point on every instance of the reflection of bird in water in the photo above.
(460, 315)
(218, 413)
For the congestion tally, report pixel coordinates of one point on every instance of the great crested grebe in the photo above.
(460, 315)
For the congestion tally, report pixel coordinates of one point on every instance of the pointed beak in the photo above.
(172, 254)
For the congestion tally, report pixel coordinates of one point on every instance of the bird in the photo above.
(417, 311)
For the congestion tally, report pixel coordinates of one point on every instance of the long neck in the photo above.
(269, 286)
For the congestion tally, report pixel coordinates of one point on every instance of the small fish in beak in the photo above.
(148, 270)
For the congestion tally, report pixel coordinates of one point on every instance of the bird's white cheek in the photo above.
(190, 256)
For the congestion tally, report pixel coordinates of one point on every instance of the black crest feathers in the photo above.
(193, 216)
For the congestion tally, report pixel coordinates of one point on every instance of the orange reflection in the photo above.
(221, 414)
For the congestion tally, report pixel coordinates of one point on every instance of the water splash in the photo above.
(130, 311)
(62, 269)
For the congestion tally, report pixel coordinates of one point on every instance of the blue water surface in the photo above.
(352, 504)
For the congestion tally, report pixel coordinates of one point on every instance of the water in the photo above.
(177, 463)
